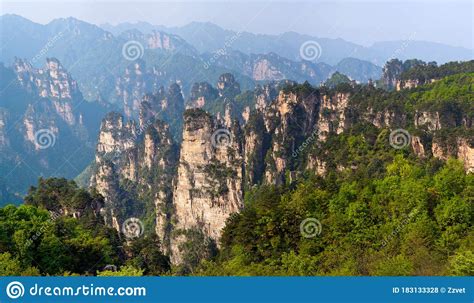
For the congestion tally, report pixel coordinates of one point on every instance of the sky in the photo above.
(363, 22)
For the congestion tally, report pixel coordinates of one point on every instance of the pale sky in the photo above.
(363, 22)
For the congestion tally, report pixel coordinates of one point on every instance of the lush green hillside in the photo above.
(377, 210)
(401, 218)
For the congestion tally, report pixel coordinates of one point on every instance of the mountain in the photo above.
(97, 59)
(331, 132)
(208, 37)
(46, 126)
(341, 179)
(358, 70)
(101, 61)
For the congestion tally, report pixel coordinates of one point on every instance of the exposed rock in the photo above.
(135, 83)
(291, 120)
(4, 140)
(428, 119)
(201, 93)
(317, 166)
(51, 82)
(209, 181)
(332, 115)
(135, 168)
(227, 86)
(417, 146)
(466, 154)
(264, 70)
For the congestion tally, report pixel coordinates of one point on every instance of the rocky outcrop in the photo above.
(264, 70)
(418, 147)
(332, 115)
(463, 150)
(227, 86)
(466, 154)
(46, 127)
(167, 106)
(209, 179)
(135, 83)
(292, 122)
(4, 140)
(393, 74)
(201, 94)
(134, 171)
(219, 160)
(53, 81)
(430, 120)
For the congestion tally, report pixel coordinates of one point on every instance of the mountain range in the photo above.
(208, 37)
(202, 151)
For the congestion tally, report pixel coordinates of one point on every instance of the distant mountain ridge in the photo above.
(96, 58)
(209, 37)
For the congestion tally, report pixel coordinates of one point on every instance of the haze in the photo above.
(363, 22)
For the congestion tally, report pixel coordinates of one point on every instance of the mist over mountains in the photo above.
(101, 68)
(209, 37)
(197, 150)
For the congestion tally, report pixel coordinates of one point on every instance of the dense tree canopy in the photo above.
(410, 221)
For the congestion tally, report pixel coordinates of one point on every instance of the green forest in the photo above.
(400, 218)
(378, 211)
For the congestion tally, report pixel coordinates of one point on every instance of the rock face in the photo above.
(227, 86)
(333, 109)
(272, 67)
(134, 171)
(466, 154)
(393, 70)
(136, 82)
(46, 126)
(201, 94)
(209, 180)
(52, 82)
(285, 132)
(463, 150)
(291, 120)
(167, 106)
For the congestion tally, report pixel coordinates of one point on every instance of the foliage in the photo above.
(406, 220)
(125, 271)
(336, 79)
(53, 246)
